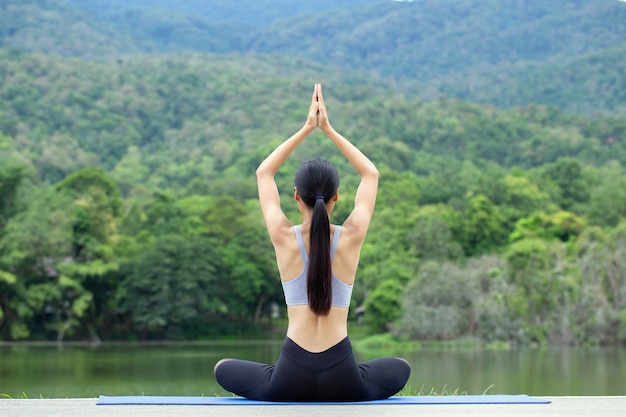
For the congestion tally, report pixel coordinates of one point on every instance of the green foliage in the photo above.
(477, 300)
(607, 205)
(530, 31)
(481, 226)
(433, 236)
(174, 287)
(567, 174)
(521, 198)
(566, 54)
(6, 281)
(548, 282)
(97, 204)
(251, 11)
(499, 226)
(12, 173)
(563, 225)
(7, 278)
(383, 305)
(434, 303)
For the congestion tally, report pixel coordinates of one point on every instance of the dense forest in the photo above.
(563, 53)
(128, 204)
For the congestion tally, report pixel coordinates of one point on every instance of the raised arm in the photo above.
(269, 199)
(365, 199)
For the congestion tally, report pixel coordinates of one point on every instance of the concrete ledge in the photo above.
(83, 407)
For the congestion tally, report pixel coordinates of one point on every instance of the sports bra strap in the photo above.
(303, 253)
(333, 245)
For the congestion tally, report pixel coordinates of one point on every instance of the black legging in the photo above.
(299, 375)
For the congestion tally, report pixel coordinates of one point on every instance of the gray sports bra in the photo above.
(295, 289)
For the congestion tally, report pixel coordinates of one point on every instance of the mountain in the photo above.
(205, 115)
(50, 27)
(427, 39)
(564, 53)
(584, 84)
(257, 13)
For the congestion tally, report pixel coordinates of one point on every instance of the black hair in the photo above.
(317, 181)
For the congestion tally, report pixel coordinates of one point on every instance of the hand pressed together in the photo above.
(318, 117)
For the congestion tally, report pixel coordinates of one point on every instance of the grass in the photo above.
(386, 341)
(20, 396)
(407, 391)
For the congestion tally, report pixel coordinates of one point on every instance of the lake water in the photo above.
(187, 369)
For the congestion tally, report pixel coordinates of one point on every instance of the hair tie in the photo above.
(319, 197)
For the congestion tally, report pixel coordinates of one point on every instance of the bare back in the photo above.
(313, 332)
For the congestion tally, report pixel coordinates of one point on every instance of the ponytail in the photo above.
(317, 181)
(319, 283)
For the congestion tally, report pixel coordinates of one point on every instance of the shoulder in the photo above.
(280, 233)
(349, 242)
(353, 233)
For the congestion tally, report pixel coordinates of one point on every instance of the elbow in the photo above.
(373, 172)
(261, 171)
(265, 171)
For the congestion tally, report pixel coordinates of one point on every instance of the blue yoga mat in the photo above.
(425, 399)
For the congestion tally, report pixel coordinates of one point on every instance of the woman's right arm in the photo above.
(365, 200)
(269, 199)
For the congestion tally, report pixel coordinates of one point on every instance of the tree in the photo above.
(437, 303)
(94, 260)
(97, 205)
(600, 311)
(521, 198)
(175, 288)
(481, 226)
(432, 237)
(607, 205)
(11, 175)
(383, 305)
(563, 225)
(548, 283)
(7, 283)
(567, 174)
(36, 241)
(496, 318)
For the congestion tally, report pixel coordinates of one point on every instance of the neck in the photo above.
(307, 214)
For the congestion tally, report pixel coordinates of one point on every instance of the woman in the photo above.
(317, 263)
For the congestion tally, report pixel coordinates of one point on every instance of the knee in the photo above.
(406, 367)
(405, 361)
(218, 364)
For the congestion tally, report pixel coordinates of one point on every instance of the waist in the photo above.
(317, 333)
(317, 361)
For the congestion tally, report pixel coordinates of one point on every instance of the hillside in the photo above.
(49, 27)
(427, 39)
(586, 84)
(257, 13)
(563, 53)
(205, 113)
(141, 172)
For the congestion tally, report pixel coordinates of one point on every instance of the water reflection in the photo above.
(534, 372)
(186, 369)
